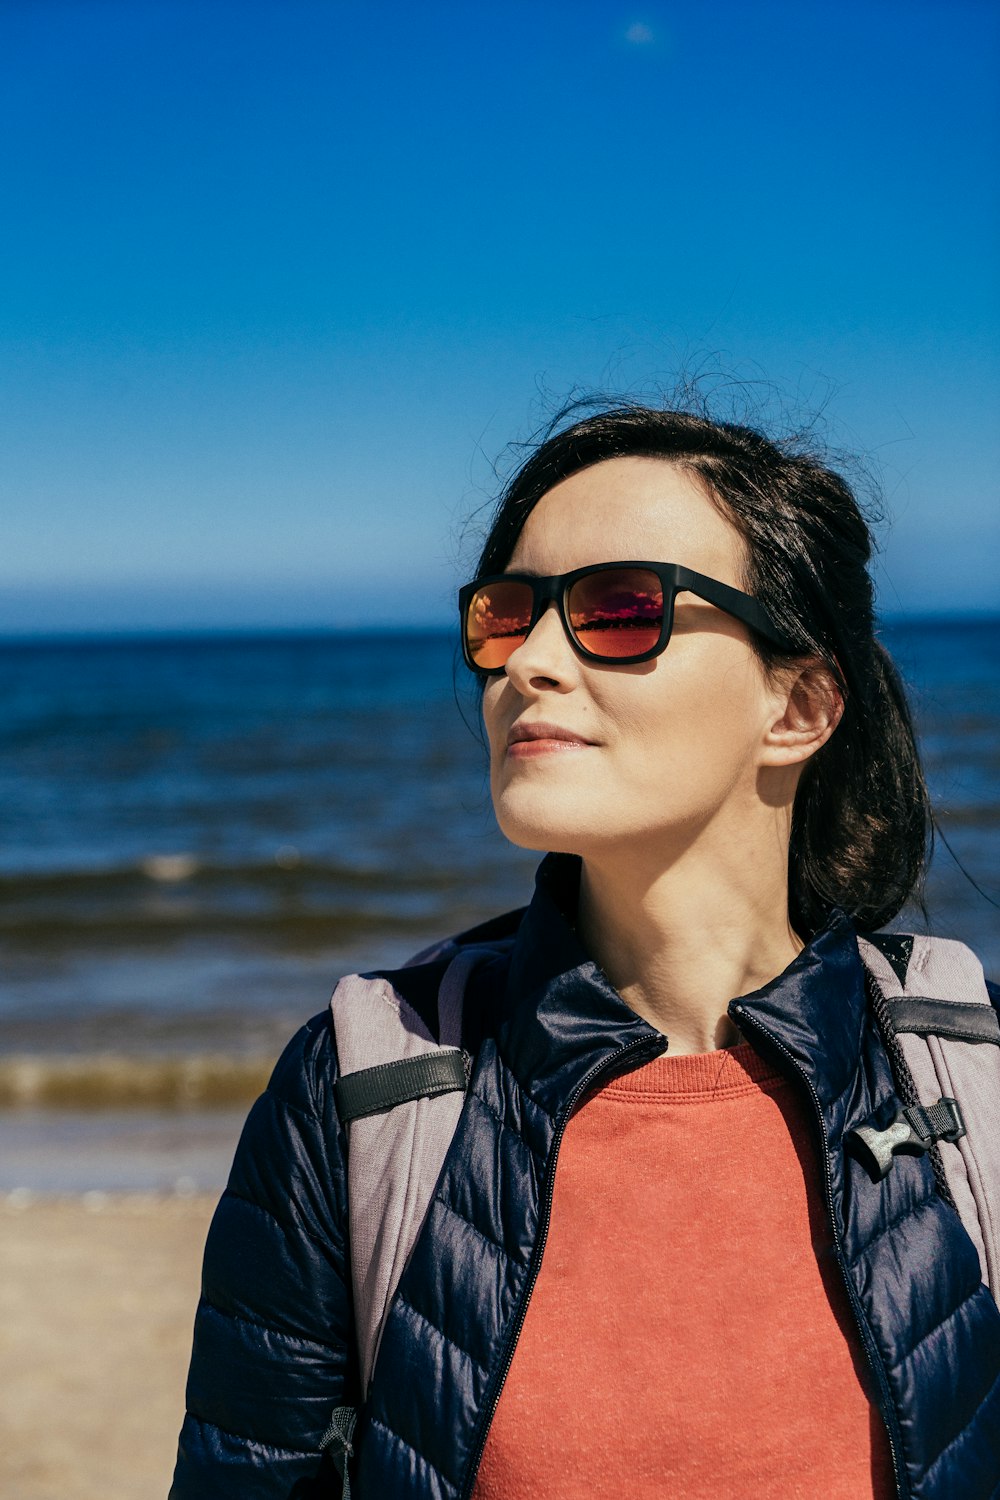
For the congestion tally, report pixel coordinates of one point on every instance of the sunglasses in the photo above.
(619, 612)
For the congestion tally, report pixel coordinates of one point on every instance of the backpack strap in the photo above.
(948, 1031)
(372, 1090)
(951, 1018)
(399, 1095)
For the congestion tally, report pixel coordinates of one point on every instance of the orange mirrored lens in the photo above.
(617, 612)
(497, 622)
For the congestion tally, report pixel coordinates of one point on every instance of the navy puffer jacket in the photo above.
(273, 1344)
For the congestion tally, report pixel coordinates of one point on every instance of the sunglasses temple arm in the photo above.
(744, 606)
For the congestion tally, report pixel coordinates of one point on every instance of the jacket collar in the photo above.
(816, 1009)
(562, 1017)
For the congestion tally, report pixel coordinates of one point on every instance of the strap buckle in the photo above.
(915, 1128)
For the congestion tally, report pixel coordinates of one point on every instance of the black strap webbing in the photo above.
(936, 1122)
(372, 1090)
(952, 1018)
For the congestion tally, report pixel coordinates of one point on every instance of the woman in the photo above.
(649, 1268)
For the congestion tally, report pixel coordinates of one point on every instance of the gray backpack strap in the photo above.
(949, 1034)
(400, 1117)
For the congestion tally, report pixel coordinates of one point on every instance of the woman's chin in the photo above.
(545, 823)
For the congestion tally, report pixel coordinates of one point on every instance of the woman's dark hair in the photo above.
(861, 823)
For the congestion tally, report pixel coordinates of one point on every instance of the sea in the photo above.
(200, 834)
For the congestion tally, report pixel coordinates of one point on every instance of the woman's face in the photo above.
(673, 744)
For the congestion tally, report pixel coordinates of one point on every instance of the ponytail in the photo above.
(862, 814)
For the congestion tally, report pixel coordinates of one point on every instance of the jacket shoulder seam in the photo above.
(294, 1109)
(320, 1024)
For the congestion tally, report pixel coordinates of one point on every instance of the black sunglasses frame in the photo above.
(673, 580)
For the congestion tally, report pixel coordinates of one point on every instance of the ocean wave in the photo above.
(109, 1081)
(287, 869)
(165, 897)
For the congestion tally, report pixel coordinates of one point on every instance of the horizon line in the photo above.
(164, 633)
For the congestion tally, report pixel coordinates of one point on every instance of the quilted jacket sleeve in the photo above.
(273, 1338)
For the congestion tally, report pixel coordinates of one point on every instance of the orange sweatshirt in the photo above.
(689, 1335)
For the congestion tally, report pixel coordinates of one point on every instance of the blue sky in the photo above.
(279, 282)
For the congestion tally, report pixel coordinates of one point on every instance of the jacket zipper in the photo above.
(867, 1340)
(655, 1047)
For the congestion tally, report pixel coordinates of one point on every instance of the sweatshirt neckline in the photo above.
(695, 1075)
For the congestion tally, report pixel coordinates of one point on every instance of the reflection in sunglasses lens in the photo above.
(497, 622)
(618, 612)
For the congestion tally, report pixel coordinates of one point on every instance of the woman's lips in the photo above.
(527, 740)
(526, 749)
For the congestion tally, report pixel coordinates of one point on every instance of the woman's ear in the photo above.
(810, 706)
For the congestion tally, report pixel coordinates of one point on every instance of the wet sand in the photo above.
(97, 1301)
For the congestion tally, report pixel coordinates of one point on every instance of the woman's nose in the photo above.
(545, 653)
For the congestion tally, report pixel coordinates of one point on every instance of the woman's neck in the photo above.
(678, 948)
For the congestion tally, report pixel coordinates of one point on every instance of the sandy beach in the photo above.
(97, 1300)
